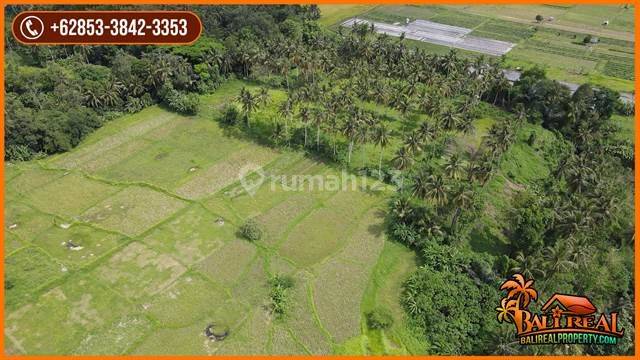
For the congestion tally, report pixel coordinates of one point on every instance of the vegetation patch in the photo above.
(27, 271)
(138, 271)
(65, 317)
(77, 245)
(133, 210)
(70, 195)
(226, 265)
(190, 236)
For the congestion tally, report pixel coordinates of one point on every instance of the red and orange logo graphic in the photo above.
(564, 319)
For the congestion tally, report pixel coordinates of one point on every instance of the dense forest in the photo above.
(572, 232)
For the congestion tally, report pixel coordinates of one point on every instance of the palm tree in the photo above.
(286, 111)
(111, 93)
(249, 103)
(263, 96)
(402, 159)
(381, 135)
(461, 199)
(318, 118)
(454, 167)
(437, 190)
(426, 132)
(420, 187)
(350, 130)
(413, 144)
(556, 258)
(449, 119)
(279, 133)
(362, 135)
(305, 116)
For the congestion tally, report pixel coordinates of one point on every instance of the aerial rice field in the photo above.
(129, 244)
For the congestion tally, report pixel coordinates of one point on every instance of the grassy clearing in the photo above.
(251, 337)
(626, 126)
(27, 271)
(70, 195)
(303, 321)
(188, 340)
(28, 178)
(112, 136)
(116, 338)
(227, 264)
(78, 245)
(138, 271)
(325, 230)
(333, 14)
(188, 300)
(344, 277)
(133, 210)
(191, 236)
(24, 221)
(226, 172)
(64, 317)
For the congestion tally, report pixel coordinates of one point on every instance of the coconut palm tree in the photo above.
(448, 119)
(381, 137)
(249, 103)
(426, 132)
(305, 117)
(413, 144)
(403, 159)
(437, 190)
(462, 197)
(454, 167)
(263, 96)
(420, 187)
(286, 111)
(350, 130)
(318, 119)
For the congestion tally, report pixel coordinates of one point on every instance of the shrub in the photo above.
(251, 231)
(379, 318)
(279, 294)
(230, 115)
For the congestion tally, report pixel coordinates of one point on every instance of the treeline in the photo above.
(56, 95)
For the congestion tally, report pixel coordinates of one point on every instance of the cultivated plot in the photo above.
(438, 33)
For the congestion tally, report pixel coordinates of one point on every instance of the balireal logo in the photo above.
(564, 319)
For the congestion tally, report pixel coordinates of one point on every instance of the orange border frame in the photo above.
(333, 2)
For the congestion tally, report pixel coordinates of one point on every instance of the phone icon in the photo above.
(31, 27)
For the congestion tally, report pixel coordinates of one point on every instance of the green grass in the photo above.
(64, 317)
(333, 14)
(626, 126)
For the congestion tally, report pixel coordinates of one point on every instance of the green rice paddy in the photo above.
(129, 244)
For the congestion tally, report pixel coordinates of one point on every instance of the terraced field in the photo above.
(555, 44)
(128, 245)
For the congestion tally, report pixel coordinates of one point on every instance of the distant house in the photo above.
(570, 304)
